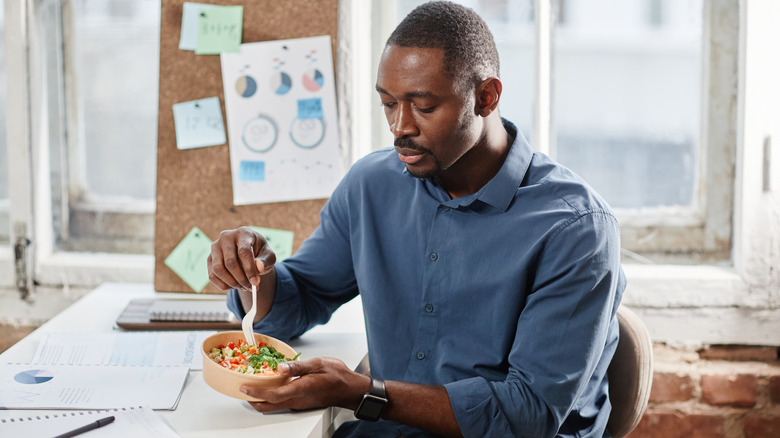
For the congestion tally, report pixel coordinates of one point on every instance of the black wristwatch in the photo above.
(374, 401)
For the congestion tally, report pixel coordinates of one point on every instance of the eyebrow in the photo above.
(409, 95)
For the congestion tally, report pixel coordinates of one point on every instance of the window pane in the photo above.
(512, 24)
(107, 172)
(117, 56)
(4, 230)
(626, 103)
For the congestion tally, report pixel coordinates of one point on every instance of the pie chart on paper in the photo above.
(33, 377)
(313, 80)
(246, 86)
(281, 83)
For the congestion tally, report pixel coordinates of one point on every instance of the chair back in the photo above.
(630, 374)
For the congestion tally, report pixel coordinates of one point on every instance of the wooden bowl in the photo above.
(228, 381)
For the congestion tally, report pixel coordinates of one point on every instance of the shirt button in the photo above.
(420, 355)
(445, 208)
(434, 256)
(429, 308)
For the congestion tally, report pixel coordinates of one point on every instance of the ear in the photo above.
(488, 93)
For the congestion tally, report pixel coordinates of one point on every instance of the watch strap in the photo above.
(373, 402)
(377, 387)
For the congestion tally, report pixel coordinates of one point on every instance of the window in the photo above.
(82, 140)
(107, 164)
(4, 225)
(625, 111)
(626, 115)
(85, 92)
(512, 24)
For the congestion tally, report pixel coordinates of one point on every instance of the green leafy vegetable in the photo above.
(270, 355)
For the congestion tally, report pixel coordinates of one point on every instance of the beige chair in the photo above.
(630, 374)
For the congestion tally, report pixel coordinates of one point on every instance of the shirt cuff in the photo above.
(277, 323)
(476, 409)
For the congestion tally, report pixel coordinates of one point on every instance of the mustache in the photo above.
(408, 143)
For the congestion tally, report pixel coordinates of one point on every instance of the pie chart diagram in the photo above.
(313, 80)
(33, 377)
(259, 134)
(281, 83)
(246, 86)
(307, 133)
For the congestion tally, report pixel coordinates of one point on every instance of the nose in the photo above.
(403, 121)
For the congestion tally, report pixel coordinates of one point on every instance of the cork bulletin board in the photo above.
(194, 187)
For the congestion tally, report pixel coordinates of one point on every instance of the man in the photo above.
(489, 274)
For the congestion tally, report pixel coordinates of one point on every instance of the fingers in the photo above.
(315, 383)
(292, 395)
(231, 263)
(265, 259)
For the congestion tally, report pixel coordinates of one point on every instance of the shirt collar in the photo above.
(501, 189)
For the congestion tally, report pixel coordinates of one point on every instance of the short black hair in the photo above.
(470, 53)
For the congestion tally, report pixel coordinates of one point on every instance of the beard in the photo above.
(408, 143)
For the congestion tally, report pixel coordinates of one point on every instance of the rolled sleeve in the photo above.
(564, 342)
(280, 322)
(476, 409)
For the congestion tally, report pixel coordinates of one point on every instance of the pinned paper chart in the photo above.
(280, 101)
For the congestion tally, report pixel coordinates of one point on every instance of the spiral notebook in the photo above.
(189, 310)
(177, 314)
(130, 422)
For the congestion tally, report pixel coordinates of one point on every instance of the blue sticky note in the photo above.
(310, 108)
(188, 39)
(198, 123)
(252, 171)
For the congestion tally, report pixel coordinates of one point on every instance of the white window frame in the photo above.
(728, 303)
(30, 193)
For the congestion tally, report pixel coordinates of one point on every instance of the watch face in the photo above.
(370, 407)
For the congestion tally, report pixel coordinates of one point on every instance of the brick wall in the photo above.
(714, 392)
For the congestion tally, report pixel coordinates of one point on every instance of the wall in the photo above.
(714, 392)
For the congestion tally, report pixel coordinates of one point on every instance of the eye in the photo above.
(426, 110)
(388, 105)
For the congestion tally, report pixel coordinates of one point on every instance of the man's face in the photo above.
(431, 119)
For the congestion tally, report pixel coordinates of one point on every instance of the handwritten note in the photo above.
(188, 259)
(219, 30)
(310, 108)
(252, 171)
(188, 38)
(199, 123)
(281, 241)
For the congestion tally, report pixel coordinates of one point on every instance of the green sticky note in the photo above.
(219, 29)
(188, 259)
(281, 241)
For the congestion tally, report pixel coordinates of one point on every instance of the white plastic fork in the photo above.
(248, 322)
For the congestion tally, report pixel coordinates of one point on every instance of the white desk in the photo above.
(202, 411)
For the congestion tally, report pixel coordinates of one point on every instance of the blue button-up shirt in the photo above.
(507, 297)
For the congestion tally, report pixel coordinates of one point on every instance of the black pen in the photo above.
(100, 423)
